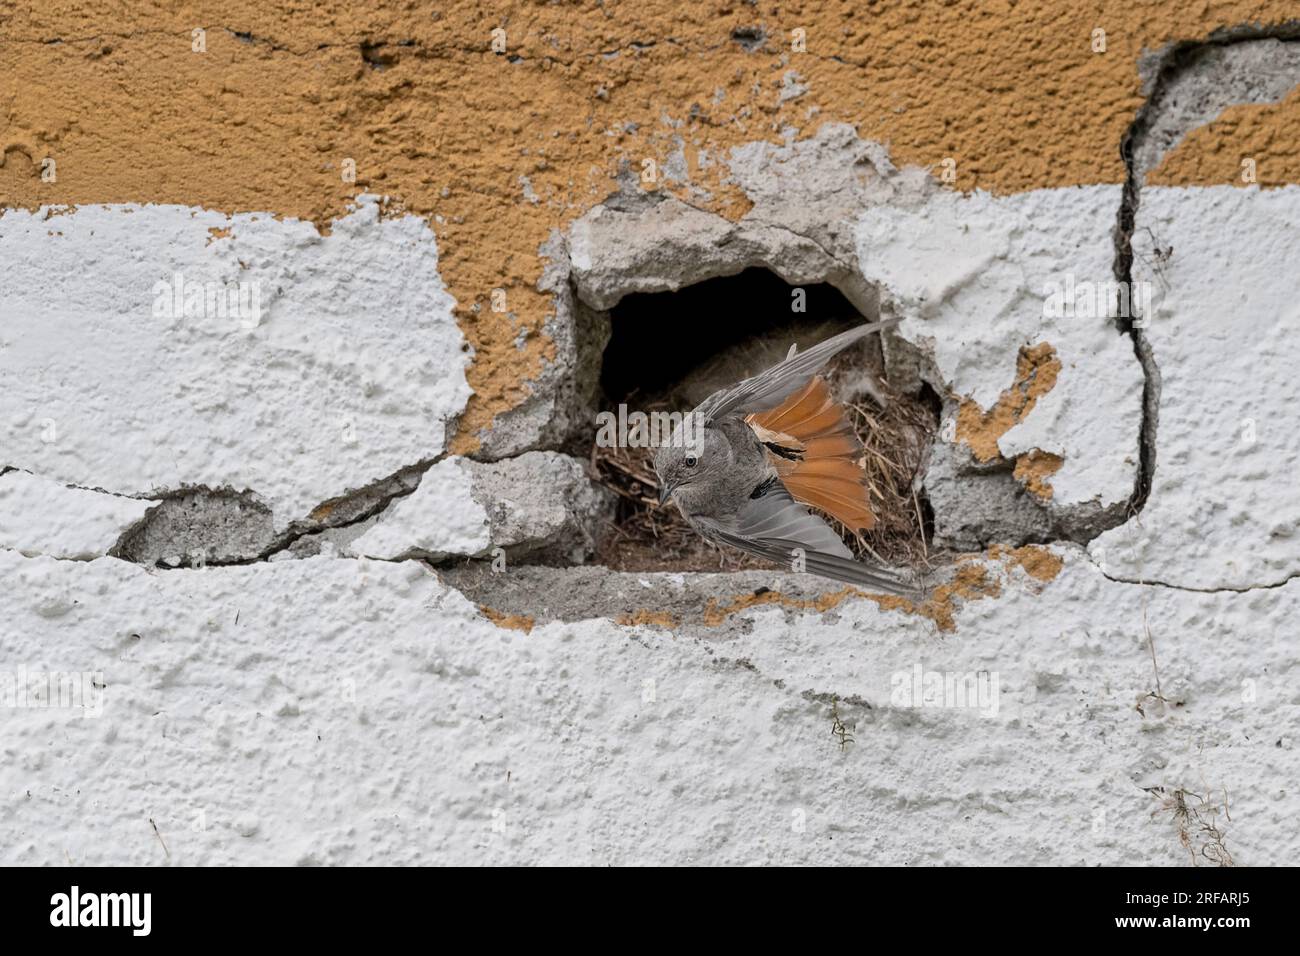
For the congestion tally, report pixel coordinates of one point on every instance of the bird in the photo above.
(744, 463)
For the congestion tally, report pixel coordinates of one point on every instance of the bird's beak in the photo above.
(664, 493)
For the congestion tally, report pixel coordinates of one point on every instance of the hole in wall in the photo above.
(668, 351)
(682, 345)
(750, 38)
(379, 55)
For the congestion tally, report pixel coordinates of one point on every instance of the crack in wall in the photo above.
(1250, 589)
(1166, 68)
(141, 543)
(5, 469)
(1170, 65)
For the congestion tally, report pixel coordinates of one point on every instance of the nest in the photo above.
(895, 439)
(896, 443)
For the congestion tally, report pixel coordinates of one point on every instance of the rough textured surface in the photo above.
(342, 365)
(537, 501)
(390, 722)
(1016, 96)
(1224, 510)
(41, 516)
(438, 519)
(970, 274)
(198, 527)
(946, 164)
(1217, 110)
(562, 399)
(975, 280)
(975, 504)
(1214, 154)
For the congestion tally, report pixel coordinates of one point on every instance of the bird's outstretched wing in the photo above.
(768, 389)
(774, 526)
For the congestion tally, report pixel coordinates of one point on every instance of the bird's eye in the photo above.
(691, 461)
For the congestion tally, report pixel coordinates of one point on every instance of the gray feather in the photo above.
(775, 526)
(777, 515)
(769, 389)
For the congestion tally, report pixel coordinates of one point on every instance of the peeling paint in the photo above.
(700, 95)
(615, 150)
(717, 612)
(971, 581)
(1040, 563)
(1034, 468)
(1037, 368)
(510, 622)
(337, 364)
(646, 617)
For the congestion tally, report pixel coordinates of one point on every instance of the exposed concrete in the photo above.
(580, 91)
(330, 542)
(540, 504)
(223, 526)
(1186, 84)
(1190, 84)
(562, 403)
(497, 715)
(973, 278)
(816, 188)
(977, 504)
(665, 245)
(970, 275)
(679, 601)
(200, 526)
(804, 198)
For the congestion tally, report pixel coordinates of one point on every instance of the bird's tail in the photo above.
(816, 453)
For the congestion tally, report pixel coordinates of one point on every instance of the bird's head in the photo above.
(693, 455)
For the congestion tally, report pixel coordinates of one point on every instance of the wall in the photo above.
(227, 517)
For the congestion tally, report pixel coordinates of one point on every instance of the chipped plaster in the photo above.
(483, 697)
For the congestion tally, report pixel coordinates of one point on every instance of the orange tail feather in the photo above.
(823, 471)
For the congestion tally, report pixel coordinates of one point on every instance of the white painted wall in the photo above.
(337, 711)
(1225, 505)
(347, 370)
